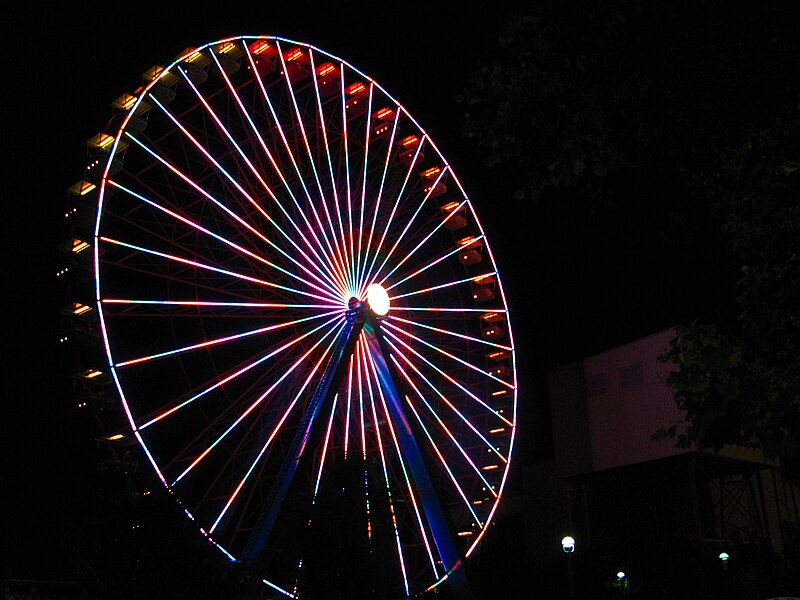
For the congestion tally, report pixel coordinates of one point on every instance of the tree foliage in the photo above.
(562, 99)
(578, 91)
(742, 385)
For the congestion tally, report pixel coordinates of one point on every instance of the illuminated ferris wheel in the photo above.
(303, 319)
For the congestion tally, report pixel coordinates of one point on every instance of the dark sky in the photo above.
(574, 287)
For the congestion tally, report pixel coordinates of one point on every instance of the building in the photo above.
(661, 515)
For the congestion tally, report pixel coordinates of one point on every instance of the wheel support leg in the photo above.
(254, 556)
(434, 514)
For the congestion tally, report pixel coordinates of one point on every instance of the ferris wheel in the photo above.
(303, 319)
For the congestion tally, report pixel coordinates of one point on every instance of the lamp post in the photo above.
(568, 546)
(621, 582)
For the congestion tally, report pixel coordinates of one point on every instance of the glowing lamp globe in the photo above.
(378, 299)
(568, 544)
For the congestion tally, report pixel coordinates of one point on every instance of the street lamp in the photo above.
(568, 546)
(622, 582)
(724, 557)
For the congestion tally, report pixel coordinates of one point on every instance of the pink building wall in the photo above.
(606, 408)
(635, 404)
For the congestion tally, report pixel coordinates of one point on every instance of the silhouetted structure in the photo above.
(659, 513)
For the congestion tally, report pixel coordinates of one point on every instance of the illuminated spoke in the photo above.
(445, 310)
(252, 406)
(272, 435)
(232, 180)
(362, 384)
(341, 248)
(287, 146)
(451, 356)
(205, 303)
(421, 270)
(267, 188)
(329, 283)
(364, 187)
(222, 340)
(450, 405)
(360, 378)
(378, 199)
(349, 396)
(225, 241)
(443, 460)
(412, 219)
(435, 447)
(406, 478)
(376, 429)
(325, 447)
(441, 286)
(390, 220)
(206, 267)
(237, 373)
(272, 159)
(311, 162)
(278, 589)
(347, 179)
(433, 231)
(448, 332)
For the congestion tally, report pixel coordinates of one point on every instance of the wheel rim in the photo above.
(241, 209)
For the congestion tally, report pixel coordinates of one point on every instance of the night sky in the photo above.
(576, 285)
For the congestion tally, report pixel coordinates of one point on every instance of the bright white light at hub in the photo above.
(378, 299)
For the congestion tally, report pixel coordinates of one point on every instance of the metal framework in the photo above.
(242, 204)
(682, 509)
